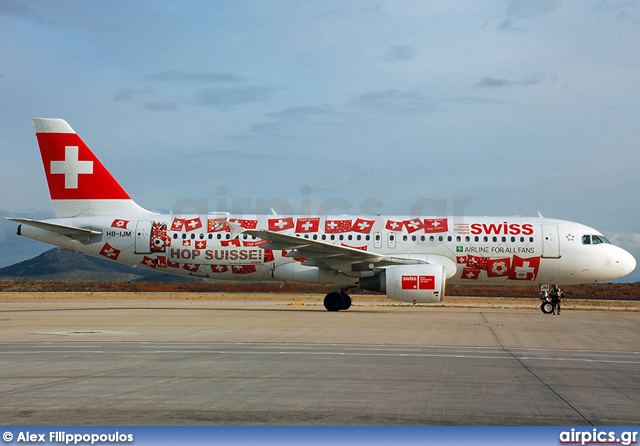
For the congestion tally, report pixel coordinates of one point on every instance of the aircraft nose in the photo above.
(627, 263)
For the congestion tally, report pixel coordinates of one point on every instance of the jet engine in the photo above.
(423, 283)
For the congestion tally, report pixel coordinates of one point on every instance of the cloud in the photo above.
(283, 119)
(507, 26)
(398, 53)
(530, 8)
(535, 78)
(392, 101)
(17, 9)
(214, 154)
(186, 76)
(627, 240)
(127, 94)
(227, 98)
(301, 113)
(478, 100)
(161, 106)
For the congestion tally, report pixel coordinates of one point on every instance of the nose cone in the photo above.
(627, 263)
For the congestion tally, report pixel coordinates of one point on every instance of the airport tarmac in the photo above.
(219, 362)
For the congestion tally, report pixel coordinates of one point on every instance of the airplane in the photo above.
(408, 258)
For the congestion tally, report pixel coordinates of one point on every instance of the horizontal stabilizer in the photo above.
(80, 234)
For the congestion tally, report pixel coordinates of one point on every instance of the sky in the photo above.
(504, 107)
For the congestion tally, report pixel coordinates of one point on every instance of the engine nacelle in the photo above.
(422, 283)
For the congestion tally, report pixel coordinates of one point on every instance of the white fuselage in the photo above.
(474, 250)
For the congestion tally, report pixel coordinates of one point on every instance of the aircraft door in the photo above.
(143, 237)
(391, 239)
(550, 241)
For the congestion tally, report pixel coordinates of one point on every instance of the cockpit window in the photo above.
(594, 239)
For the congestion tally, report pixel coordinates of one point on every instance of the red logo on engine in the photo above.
(427, 282)
(418, 282)
(409, 282)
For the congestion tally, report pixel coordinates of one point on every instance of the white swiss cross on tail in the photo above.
(71, 167)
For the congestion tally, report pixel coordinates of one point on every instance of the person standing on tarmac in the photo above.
(556, 296)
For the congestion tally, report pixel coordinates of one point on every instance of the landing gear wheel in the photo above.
(546, 307)
(334, 302)
(347, 301)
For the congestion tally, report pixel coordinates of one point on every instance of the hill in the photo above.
(67, 266)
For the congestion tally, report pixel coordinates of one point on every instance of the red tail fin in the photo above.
(78, 182)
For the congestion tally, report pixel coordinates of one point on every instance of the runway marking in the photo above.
(324, 353)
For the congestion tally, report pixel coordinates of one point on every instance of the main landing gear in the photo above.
(336, 301)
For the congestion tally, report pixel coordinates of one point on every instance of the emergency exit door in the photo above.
(391, 239)
(550, 241)
(143, 237)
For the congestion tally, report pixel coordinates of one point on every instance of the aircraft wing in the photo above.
(326, 255)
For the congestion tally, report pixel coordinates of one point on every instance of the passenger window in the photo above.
(333, 237)
(586, 239)
(467, 239)
(449, 238)
(504, 239)
(476, 238)
(315, 236)
(210, 236)
(458, 238)
(495, 239)
(413, 237)
(440, 238)
(521, 239)
(184, 236)
(349, 236)
(486, 239)
(513, 239)
(324, 236)
(423, 238)
(358, 237)
(175, 236)
(531, 239)
(219, 236)
(432, 238)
